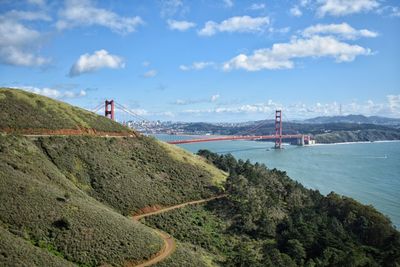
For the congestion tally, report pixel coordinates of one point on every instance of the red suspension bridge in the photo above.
(301, 139)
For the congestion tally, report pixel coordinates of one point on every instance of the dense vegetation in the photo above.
(369, 135)
(270, 220)
(17, 252)
(186, 254)
(24, 112)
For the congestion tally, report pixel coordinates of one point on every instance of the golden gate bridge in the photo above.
(302, 139)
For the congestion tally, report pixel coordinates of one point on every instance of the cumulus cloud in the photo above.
(394, 103)
(244, 24)
(150, 74)
(196, 65)
(345, 7)
(181, 25)
(170, 8)
(78, 13)
(343, 30)
(257, 6)
(18, 15)
(212, 99)
(99, 59)
(281, 55)
(391, 107)
(17, 43)
(54, 93)
(295, 11)
(391, 11)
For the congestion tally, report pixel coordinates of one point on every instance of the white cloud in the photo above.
(99, 59)
(196, 65)
(281, 55)
(150, 74)
(215, 97)
(395, 11)
(343, 30)
(295, 11)
(394, 103)
(146, 63)
(211, 99)
(257, 6)
(17, 42)
(54, 93)
(78, 13)
(391, 107)
(180, 25)
(345, 7)
(391, 11)
(228, 3)
(17, 15)
(304, 3)
(235, 24)
(170, 8)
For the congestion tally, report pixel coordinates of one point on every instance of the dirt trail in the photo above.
(162, 210)
(169, 242)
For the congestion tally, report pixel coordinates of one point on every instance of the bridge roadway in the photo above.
(238, 137)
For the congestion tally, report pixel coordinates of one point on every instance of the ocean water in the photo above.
(367, 172)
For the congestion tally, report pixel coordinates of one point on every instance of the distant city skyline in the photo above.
(213, 61)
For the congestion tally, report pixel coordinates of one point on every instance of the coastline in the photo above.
(317, 144)
(356, 142)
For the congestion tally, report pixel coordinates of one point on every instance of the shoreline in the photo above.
(317, 144)
(355, 142)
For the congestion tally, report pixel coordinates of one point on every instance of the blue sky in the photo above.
(220, 60)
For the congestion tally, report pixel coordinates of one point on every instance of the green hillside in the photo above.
(24, 112)
(68, 199)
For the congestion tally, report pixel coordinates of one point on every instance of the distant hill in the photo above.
(28, 113)
(355, 119)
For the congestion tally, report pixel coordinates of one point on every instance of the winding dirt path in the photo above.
(162, 210)
(169, 241)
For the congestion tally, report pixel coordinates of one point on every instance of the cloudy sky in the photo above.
(207, 60)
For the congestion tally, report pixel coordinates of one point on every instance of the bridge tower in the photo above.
(278, 129)
(109, 109)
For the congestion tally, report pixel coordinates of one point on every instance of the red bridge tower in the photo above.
(278, 129)
(109, 109)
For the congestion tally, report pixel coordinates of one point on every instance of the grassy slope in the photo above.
(45, 184)
(22, 110)
(130, 173)
(66, 196)
(17, 252)
(39, 204)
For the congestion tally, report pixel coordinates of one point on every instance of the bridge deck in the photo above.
(236, 137)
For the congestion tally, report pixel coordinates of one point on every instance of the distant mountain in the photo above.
(355, 119)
